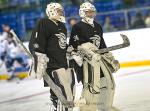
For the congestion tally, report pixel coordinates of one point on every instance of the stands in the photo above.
(28, 11)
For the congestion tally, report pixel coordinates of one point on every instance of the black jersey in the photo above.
(51, 39)
(83, 33)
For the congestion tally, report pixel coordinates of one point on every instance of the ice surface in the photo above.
(132, 92)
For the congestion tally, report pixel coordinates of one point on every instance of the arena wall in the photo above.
(137, 55)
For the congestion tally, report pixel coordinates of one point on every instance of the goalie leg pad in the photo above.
(106, 96)
(92, 78)
(65, 81)
(107, 90)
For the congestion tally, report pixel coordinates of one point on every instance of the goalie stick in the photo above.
(15, 37)
(1, 64)
(126, 43)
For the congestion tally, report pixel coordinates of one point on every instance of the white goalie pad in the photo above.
(112, 64)
(64, 79)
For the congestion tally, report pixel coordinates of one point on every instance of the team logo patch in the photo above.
(76, 38)
(36, 45)
(62, 40)
(96, 40)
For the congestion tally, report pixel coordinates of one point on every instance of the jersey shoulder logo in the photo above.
(76, 38)
(62, 39)
(36, 45)
(96, 40)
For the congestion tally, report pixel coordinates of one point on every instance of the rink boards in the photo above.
(136, 55)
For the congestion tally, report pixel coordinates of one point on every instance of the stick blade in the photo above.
(125, 39)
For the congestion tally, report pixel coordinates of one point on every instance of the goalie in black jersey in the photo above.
(88, 34)
(87, 30)
(48, 45)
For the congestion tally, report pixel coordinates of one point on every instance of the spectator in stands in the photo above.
(108, 27)
(77, 2)
(72, 21)
(129, 3)
(147, 20)
(138, 21)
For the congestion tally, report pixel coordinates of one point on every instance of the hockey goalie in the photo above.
(92, 68)
(48, 48)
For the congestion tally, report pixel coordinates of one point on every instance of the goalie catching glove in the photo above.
(89, 50)
(74, 55)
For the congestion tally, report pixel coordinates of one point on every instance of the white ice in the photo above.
(132, 92)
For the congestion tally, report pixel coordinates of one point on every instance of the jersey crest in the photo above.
(96, 40)
(62, 39)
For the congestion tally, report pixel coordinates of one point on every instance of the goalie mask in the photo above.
(87, 12)
(55, 11)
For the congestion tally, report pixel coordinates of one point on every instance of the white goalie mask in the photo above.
(84, 8)
(55, 11)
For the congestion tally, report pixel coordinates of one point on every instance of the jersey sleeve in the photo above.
(74, 38)
(38, 38)
(102, 43)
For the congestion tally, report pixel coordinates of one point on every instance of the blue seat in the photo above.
(13, 2)
(71, 11)
(33, 1)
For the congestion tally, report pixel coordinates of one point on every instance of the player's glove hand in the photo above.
(78, 59)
